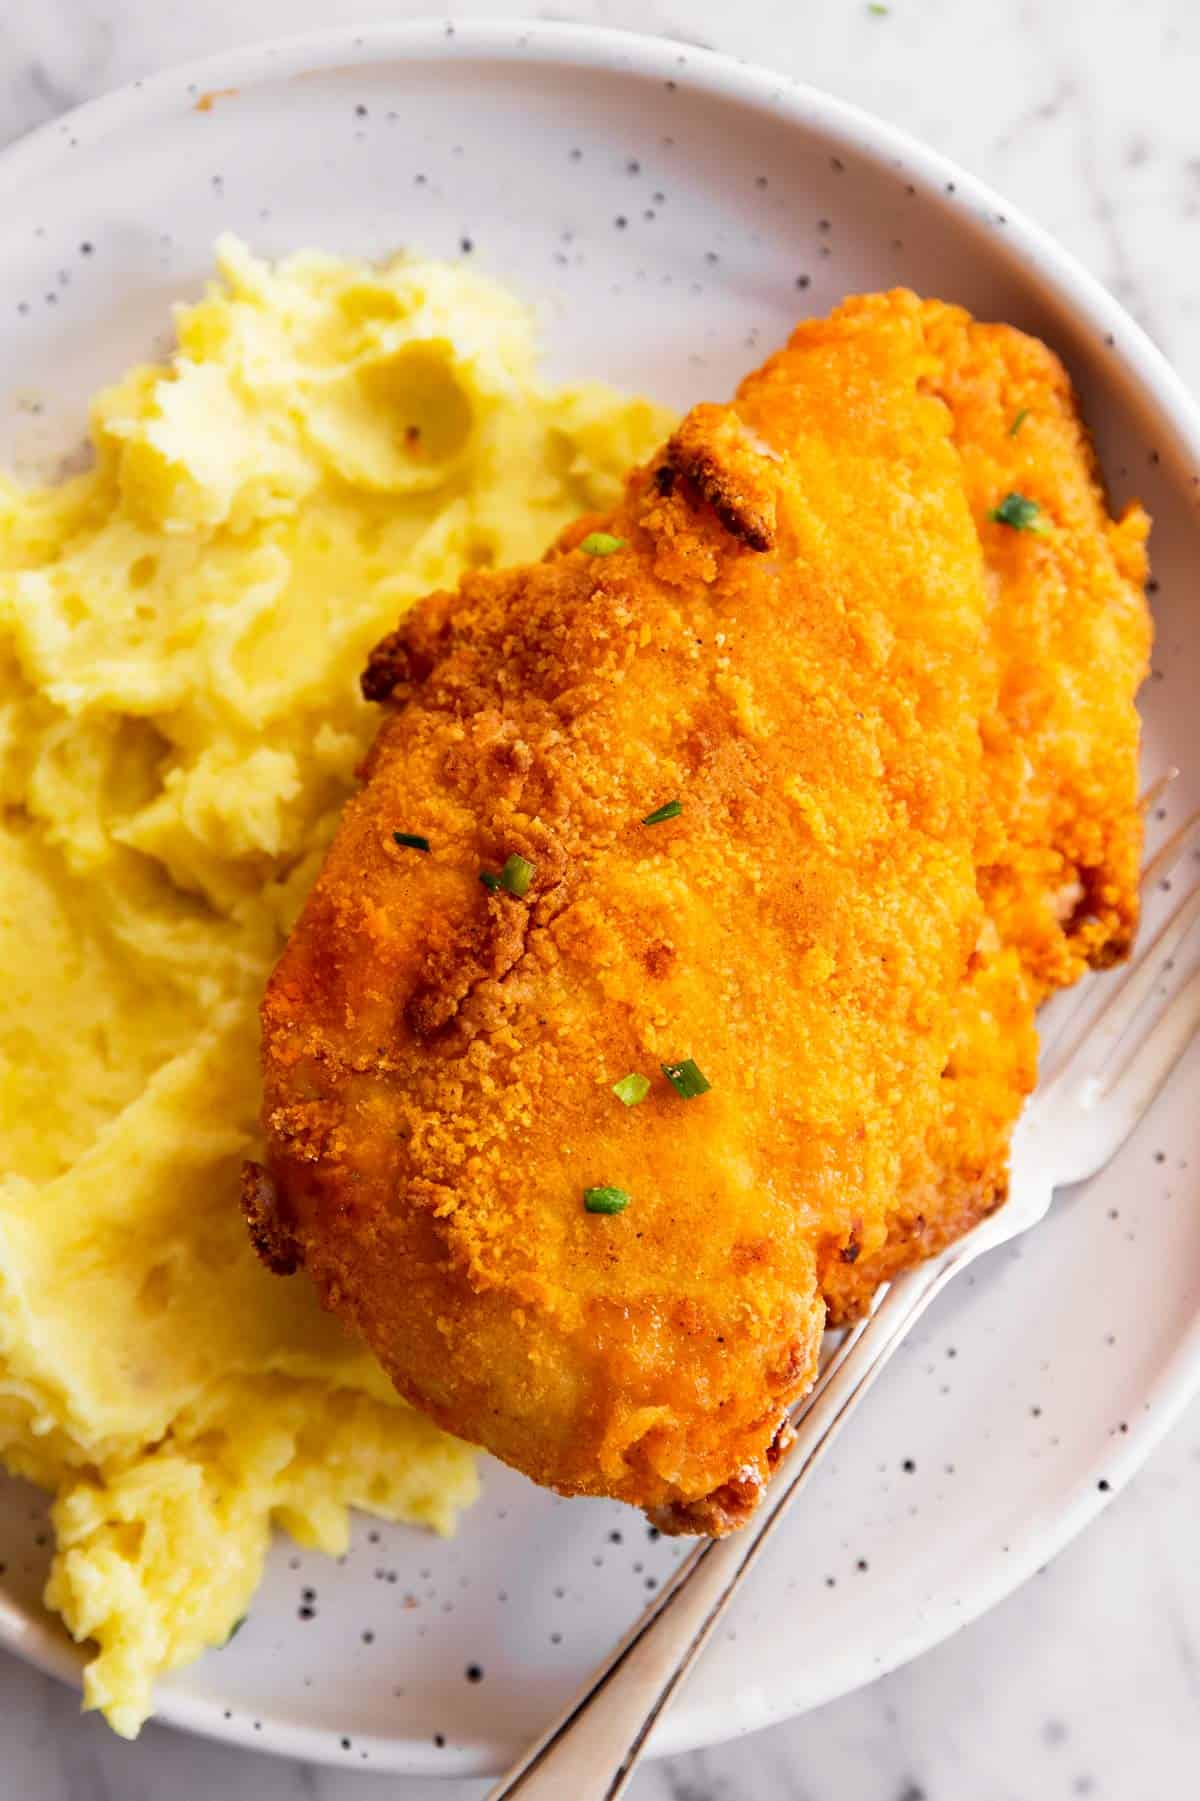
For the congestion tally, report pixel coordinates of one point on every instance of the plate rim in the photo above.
(1140, 371)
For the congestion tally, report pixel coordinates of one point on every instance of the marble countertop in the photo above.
(1087, 1681)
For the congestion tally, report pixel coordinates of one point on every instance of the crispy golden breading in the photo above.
(1060, 843)
(800, 640)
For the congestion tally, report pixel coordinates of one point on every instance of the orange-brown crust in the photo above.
(805, 636)
(272, 1238)
(714, 453)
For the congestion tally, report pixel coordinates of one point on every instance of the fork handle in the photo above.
(590, 1751)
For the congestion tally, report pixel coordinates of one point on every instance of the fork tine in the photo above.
(1158, 1053)
(1061, 1014)
(1157, 789)
(1104, 1033)
(1168, 855)
(1088, 997)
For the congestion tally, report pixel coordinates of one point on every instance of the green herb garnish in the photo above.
(1022, 514)
(632, 1089)
(514, 878)
(1018, 422)
(879, 11)
(601, 544)
(686, 1079)
(670, 809)
(411, 840)
(235, 1629)
(605, 1200)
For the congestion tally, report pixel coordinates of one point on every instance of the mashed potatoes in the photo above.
(181, 631)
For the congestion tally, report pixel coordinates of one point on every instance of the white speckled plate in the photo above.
(672, 214)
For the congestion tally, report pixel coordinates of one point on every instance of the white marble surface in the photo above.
(1087, 1682)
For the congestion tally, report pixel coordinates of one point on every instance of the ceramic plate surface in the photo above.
(671, 215)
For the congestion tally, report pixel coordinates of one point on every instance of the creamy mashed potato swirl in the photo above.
(181, 631)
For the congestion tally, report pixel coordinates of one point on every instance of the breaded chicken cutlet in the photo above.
(789, 789)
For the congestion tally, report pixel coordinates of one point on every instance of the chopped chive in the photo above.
(880, 12)
(601, 544)
(412, 840)
(686, 1079)
(632, 1089)
(516, 876)
(234, 1630)
(605, 1200)
(1018, 422)
(1023, 514)
(670, 809)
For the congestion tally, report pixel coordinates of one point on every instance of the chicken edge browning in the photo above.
(903, 734)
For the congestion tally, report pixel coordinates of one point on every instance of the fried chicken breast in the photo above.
(901, 819)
